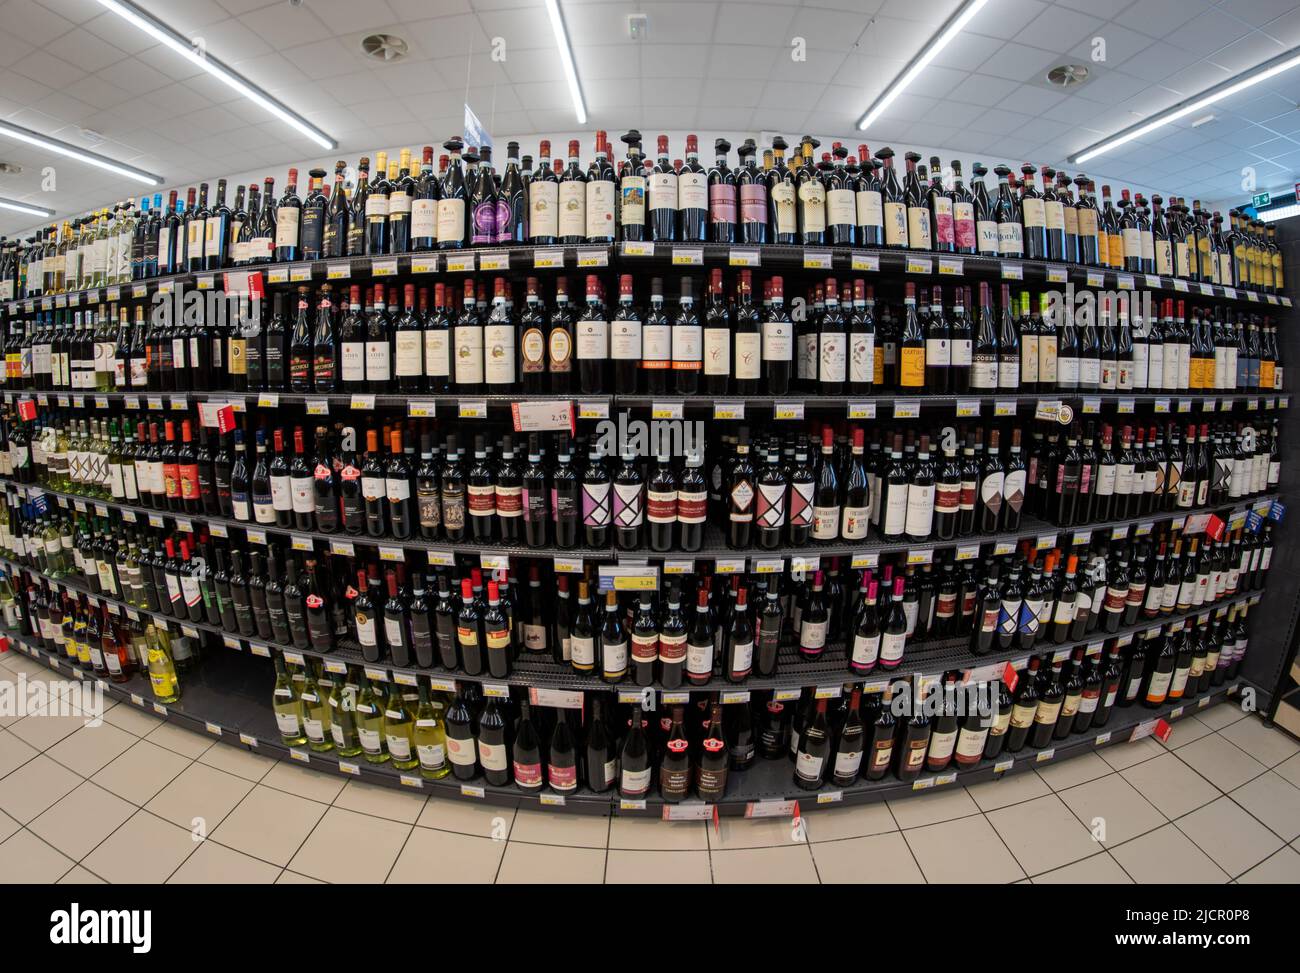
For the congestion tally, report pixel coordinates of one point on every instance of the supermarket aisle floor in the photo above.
(123, 802)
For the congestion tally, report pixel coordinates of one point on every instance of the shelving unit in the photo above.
(229, 695)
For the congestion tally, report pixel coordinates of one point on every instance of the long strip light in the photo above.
(941, 40)
(9, 130)
(200, 58)
(1280, 213)
(566, 58)
(27, 208)
(1226, 89)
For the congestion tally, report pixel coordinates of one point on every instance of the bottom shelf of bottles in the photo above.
(228, 696)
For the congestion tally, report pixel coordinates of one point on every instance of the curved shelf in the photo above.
(662, 256)
(221, 702)
(921, 660)
(865, 553)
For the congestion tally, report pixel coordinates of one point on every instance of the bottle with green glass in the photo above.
(343, 716)
(315, 713)
(430, 738)
(287, 703)
(399, 729)
(370, 723)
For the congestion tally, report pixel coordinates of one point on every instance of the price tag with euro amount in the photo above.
(968, 408)
(862, 410)
(593, 258)
(473, 409)
(501, 260)
(923, 556)
(593, 409)
(637, 248)
(457, 263)
(868, 262)
(788, 410)
(1124, 282)
(494, 562)
(677, 567)
(1012, 270)
(743, 258)
(769, 565)
(1004, 547)
(1091, 405)
(543, 416)
(688, 256)
(816, 260)
(383, 268)
(421, 408)
(951, 266)
(865, 559)
(1056, 275)
(920, 265)
(907, 410)
(569, 565)
(1004, 407)
(729, 565)
(729, 410)
(428, 264)
(666, 410)
(548, 259)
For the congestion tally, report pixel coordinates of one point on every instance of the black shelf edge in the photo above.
(679, 256)
(713, 550)
(922, 660)
(598, 405)
(765, 790)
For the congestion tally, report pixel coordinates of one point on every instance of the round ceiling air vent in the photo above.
(384, 47)
(1067, 75)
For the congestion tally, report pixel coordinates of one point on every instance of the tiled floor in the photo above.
(137, 800)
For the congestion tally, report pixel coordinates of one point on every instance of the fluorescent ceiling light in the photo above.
(8, 130)
(566, 58)
(941, 40)
(200, 58)
(27, 208)
(1227, 89)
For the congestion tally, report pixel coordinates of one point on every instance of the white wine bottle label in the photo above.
(891, 647)
(492, 756)
(970, 743)
(543, 209)
(748, 355)
(461, 752)
(866, 649)
(808, 767)
(778, 341)
(625, 340)
(717, 351)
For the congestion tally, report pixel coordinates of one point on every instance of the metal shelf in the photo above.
(924, 660)
(233, 706)
(675, 258)
(714, 548)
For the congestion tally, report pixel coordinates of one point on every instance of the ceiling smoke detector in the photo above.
(384, 47)
(1067, 75)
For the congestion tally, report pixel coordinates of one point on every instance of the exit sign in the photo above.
(1261, 199)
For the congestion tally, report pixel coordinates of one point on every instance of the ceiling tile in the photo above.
(33, 23)
(1156, 18)
(983, 89)
(115, 30)
(97, 92)
(283, 25)
(1122, 47)
(967, 51)
(1106, 9)
(1058, 26)
(135, 76)
(85, 50)
(541, 64)
(456, 36)
(1249, 52)
(1257, 13)
(658, 92)
(821, 67)
(1005, 18)
(604, 23)
(773, 25)
(737, 62)
(522, 29)
(608, 61)
(788, 95)
(894, 37)
(674, 23)
(1208, 33)
(47, 69)
(1016, 62)
(74, 11)
(347, 16)
(1160, 61)
(188, 17)
(998, 121)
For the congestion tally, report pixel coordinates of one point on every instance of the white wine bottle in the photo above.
(315, 714)
(343, 717)
(430, 739)
(399, 729)
(370, 723)
(288, 707)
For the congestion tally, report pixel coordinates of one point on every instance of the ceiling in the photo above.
(69, 65)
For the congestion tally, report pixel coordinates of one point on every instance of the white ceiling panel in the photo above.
(706, 67)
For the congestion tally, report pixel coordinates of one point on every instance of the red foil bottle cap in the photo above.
(692, 144)
(544, 148)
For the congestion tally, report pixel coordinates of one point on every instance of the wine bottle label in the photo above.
(841, 207)
(645, 647)
(896, 509)
(1033, 213)
(631, 191)
(509, 500)
(801, 503)
(938, 353)
(1047, 712)
(717, 351)
(625, 340)
(1011, 240)
(832, 356)
(634, 783)
(469, 354)
(499, 354)
(596, 504)
(656, 346)
(593, 340)
(941, 745)
(424, 219)
(663, 190)
(600, 208)
(1055, 215)
(583, 650)
(895, 224)
(691, 506)
(692, 190)
(543, 209)
(912, 368)
(862, 356)
(408, 347)
(771, 505)
(629, 507)
(687, 351)
(778, 341)
(742, 659)
(963, 216)
(1158, 688)
(286, 226)
(920, 510)
(748, 355)
(868, 208)
(891, 647)
(461, 752)
(943, 226)
(451, 220)
(918, 228)
(866, 650)
(613, 657)
(573, 209)
(970, 743)
(856, 520)
(808, 767)
(492, 756)
(987, 236)
(722, 203)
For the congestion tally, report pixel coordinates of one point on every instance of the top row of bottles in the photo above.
(841, 200)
